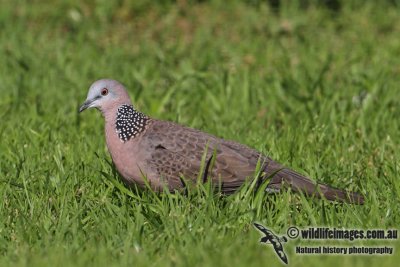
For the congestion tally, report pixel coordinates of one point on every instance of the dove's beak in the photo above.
(87, 104)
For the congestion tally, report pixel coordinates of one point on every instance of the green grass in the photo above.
(315, 88)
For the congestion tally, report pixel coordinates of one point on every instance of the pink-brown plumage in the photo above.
(170, 155)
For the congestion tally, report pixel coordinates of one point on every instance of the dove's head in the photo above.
(105, 95)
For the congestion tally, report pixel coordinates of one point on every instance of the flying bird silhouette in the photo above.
(271, 238)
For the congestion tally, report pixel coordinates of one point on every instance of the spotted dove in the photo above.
(164, 154)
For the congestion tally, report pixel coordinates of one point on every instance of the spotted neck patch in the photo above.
(130, 122)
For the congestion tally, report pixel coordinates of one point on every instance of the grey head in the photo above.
(105, 95)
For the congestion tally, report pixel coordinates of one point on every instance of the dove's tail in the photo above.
(299, 183)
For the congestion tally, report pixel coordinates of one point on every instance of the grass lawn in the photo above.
(315, 86)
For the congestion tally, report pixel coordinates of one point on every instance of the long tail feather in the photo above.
(299, 183)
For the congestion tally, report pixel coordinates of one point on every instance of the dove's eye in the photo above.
(104, 91)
